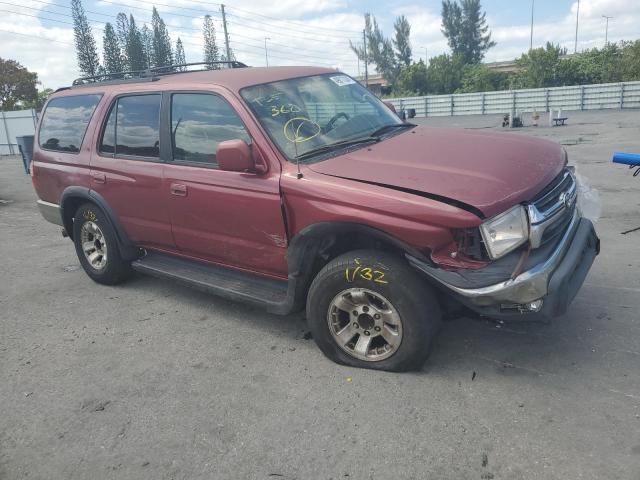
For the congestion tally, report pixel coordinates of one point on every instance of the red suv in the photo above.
(294, 187)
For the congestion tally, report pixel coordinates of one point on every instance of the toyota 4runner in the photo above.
(294, 187)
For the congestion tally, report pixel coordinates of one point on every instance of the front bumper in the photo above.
(555, 279)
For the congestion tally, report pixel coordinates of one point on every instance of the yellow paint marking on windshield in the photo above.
(292, 129)
(287, 108)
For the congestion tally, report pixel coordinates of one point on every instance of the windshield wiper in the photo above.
(391, 126)
(336, 146)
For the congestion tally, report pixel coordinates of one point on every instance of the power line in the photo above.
(300, 51)
(36, 36)
(282, 24)
(292, 22)
(325, 61)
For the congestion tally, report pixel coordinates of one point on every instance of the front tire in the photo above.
(369, 309)
(97, 246)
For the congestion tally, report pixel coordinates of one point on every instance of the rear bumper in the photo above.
(555, 280)
(50, 212)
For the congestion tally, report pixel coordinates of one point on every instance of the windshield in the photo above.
(309, 114)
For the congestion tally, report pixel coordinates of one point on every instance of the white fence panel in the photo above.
(580, 97)
(15, 124)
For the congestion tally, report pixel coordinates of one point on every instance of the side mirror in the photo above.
(234, 156)
(391, 107)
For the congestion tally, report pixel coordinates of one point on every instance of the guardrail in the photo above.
(15, 124)
(580, 97)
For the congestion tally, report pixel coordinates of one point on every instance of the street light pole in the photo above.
(606, 30)
(426, 56)
(531, 37)
(266, 56)
(575, 45)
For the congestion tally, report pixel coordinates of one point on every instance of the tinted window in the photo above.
(109, 136)
(199, 122)
(137, 128)
(65, 121)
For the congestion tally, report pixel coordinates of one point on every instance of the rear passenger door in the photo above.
(231, 218)
(128, 172)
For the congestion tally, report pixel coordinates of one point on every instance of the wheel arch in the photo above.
(316, 245)
(73, 197)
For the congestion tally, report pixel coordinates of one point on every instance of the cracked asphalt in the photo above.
(151, 380)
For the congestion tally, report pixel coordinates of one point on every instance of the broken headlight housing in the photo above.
(505, 232)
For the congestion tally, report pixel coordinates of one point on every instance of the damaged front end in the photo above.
(538, 273)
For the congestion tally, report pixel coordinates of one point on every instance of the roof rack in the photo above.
(152, 74)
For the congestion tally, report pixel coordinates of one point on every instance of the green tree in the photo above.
(539, 68)
(122, 30)
(466, 30)
(39, 101)
(380, 50)
(629, 62)
(180, 58)
(86, 50)
(413, 80)
(401, 41)
(146, 37)
(17, 84)
(135, 49)
(113, 61)
(211, 53)
(445, 74)
(480, 78)
(162, 55)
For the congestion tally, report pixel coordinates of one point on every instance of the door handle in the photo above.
(178, 189)
(99, 177)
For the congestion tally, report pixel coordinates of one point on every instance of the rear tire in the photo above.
(369, 309)
(97, 246)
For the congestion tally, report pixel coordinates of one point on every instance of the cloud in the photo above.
(298, 33)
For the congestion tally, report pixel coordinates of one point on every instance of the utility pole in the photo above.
(266, 56)
(366, 69)
(575, 45)
(226, 35)
(531, 37)
(606, 30)
(426, 57)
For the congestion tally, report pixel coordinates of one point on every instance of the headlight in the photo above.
(505, 232)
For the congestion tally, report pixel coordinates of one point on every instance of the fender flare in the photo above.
(127, 249)
(308, 244)
(299, 247)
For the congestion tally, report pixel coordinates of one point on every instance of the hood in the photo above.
(488, 172)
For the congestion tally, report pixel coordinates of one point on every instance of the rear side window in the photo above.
(199, 122)
(65, 122)
(133, 127)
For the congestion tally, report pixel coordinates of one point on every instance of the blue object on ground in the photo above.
(25, 145)
(632, 159)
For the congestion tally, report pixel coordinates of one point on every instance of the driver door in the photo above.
(230, 218)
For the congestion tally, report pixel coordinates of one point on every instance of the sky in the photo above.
(39, 33)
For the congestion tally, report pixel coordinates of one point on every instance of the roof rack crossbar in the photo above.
(151, 74)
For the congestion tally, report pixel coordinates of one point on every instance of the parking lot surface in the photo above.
(151, 380)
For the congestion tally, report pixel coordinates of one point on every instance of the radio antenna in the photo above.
(295, 146)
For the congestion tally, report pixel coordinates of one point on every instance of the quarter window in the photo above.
(199, 122)
(65, 122)
(133, 127)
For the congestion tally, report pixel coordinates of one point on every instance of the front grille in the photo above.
(550, 213)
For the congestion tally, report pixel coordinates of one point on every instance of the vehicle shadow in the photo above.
(464, 345)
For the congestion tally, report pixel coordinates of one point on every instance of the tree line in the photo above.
(129, 47)
(464, 25)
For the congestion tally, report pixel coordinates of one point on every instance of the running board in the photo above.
(273, 295)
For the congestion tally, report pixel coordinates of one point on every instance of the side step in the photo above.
(270, 294)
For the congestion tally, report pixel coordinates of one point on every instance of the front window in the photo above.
(307, 116)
